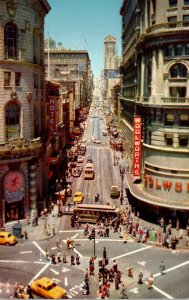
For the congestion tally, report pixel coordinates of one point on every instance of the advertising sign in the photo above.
(137, 145)
(52, 115)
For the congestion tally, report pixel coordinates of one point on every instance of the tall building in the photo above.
(155, 87)
(109, 52)
(22, 103)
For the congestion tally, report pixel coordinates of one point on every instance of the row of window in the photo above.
(37, 80)
(176, 50)
(170, 120)
(173, 3)
(183, 140)
(173, 19)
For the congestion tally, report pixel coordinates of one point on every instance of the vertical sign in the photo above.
(137, 145)
(52, 113)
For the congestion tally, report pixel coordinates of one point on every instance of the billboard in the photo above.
(137, 145)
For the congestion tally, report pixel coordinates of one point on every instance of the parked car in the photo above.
(78, 197)
(48, 288)
(77, 171)
(114, 191)
(7, 238)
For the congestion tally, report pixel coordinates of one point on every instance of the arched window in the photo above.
(12, 120)
(178, 71)
(11, 41)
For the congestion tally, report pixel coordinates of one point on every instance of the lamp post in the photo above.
(122, 173)
(114, 147)
(59, 187)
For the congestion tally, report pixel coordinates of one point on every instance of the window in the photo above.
(169, 51)
(169, 119)
(11, 40)
(169, 139)
(17, 79)
(178, 71)
(186, 2)
(187, 49)
(184, 120)
(186, 18)
(12, 114)
(178, 91)
(172, 19)
(183, 140)
(7, 78)
(172, 3)
(178, 50)
(35, 81)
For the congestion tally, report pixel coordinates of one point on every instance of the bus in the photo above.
(89, 171)
(89, 213)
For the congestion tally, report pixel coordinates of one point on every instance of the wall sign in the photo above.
(52, 115)
(165, 185)
(137, 145)
(14, 186)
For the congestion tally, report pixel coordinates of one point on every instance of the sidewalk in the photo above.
(36, 233)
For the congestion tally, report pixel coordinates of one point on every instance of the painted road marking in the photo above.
(135, 290)
(132, 252)
(55, 272)
(66, 281)
(65, 270)
(40, 249)
(53, 248)
(161, 292)
(22, 261)
(73, 237)
(173, 268)
(142, 263)
(76, 251)
(24, 252)
(40, 272)
(62, 231)
(56, 279)
(100, 240)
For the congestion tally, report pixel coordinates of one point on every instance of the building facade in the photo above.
(22, 108)
(155, 86)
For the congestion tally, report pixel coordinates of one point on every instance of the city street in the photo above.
(26, 261)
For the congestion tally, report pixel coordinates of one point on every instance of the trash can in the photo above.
(17, 230)
(153, 236)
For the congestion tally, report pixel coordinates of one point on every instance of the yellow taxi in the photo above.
(78, 197)
(6, 238)
(48, 288)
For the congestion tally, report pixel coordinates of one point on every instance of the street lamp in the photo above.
(114, 147)
(122, 168)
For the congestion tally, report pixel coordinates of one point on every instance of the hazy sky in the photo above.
(83, 24)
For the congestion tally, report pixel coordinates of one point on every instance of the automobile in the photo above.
(69, 190)
(7, 238)
(89, 159)
(98, 142)
(48, 288)
(114, 191)
(77, 171)
(78, 197)
(80, 159)
(104, 133)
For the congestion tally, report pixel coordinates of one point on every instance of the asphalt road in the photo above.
(26, 261)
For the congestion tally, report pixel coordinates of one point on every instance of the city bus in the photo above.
(89, 213)
(89, 171)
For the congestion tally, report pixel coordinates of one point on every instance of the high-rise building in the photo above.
(155, 88)
(22, 108)
(109, 52)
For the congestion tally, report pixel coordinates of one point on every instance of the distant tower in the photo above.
(109, 52)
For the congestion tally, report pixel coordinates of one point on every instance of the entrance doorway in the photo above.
(14, 211)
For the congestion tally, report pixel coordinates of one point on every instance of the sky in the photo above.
(83, 24)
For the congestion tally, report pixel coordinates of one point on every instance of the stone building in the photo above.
(155, 86)
(22, 108)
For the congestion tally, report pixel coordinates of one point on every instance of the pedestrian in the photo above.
(124, 292)
(64, 258)
(91, 269)
(47, 254)
(130, 271)
(150, 282)
(72, 258)
(86, 275)
(29, 292)
(116, 277)
(77, 259)
(140, 277)
(53, 229)
(115, 265)
(87, 288)
(173, 243)
(53, 258)
(58, 242)
(107, 231)
(59, 255)
(25, 234)
(162, 268)
(36, 221)
(48, 230)
(104, 252)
